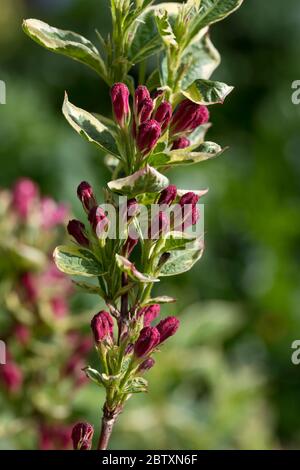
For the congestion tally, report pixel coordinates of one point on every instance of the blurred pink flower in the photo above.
(25, 193)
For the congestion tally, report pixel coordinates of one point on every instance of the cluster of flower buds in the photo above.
(153, 115)
(97, 218)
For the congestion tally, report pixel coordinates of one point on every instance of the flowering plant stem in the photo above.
(156, 126)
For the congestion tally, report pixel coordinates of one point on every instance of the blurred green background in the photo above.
(226, 380)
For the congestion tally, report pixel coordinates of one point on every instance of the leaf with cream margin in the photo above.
(89, 127)
(146, 180)
(206, 151)
(77, 261)
(207, 92)
(66, 43)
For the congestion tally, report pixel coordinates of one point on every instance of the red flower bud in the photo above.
(141, 94)
(181, 143)
(149, 313)
(98, 220)
(189, 209)
(148, 134)
(129, 245)
(120, 101)
(76, 230)
(12, 376)
(86, 196)
(147, 341)
(25, 192)
(102, 326)
(82, 435)
(167, 327)
(168, 195)
(146, 365)
(158, 226)
(188, 116)
(163, 114)
(146, 108)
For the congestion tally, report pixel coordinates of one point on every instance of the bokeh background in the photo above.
(226, 380)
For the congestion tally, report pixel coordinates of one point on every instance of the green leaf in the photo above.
(126, 266)
(201, 59)
(89, 127)
(176, 241)
(142, 181)
(185, 157)
(136, 385)
(94, 375)
(65, 42)
(181, 261)
(165, 29)
(212, 11)
(77, 261)
(207, 92)
(146, 38)
(88, 288)
(164, 299)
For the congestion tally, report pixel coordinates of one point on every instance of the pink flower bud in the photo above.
(22, 334)
(102, 326)
(131, 209)
(76, 229)
(82, 436)
(52, 214)
(146, 365)
(168, 195)
(181, 143)
(188, 116)
(141, 94)
(120, 101)
(86, 196)
(147, 341)
(148, 134)
(98, 220)
(59, 307)
(149, 313)
(163, 114)
(167, 327)
(12, 376)
(25, 192)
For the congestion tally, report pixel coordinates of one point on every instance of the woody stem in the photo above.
(108, 421)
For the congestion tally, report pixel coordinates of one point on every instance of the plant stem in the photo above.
(108, 421)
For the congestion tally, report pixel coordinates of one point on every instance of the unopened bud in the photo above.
(181, 143)
(98, 220)
(129, 245)
(82, 436)
(102, 326)
(163, 114)
(86, 196)
(146, 108)
(146, 365)
(149, 313)
(76, 230)
(147, 341)
(168, 195)
(188, 116)
(167, 327)
(141, 94)
(159, 226)
(120, 102)
(148, 134)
